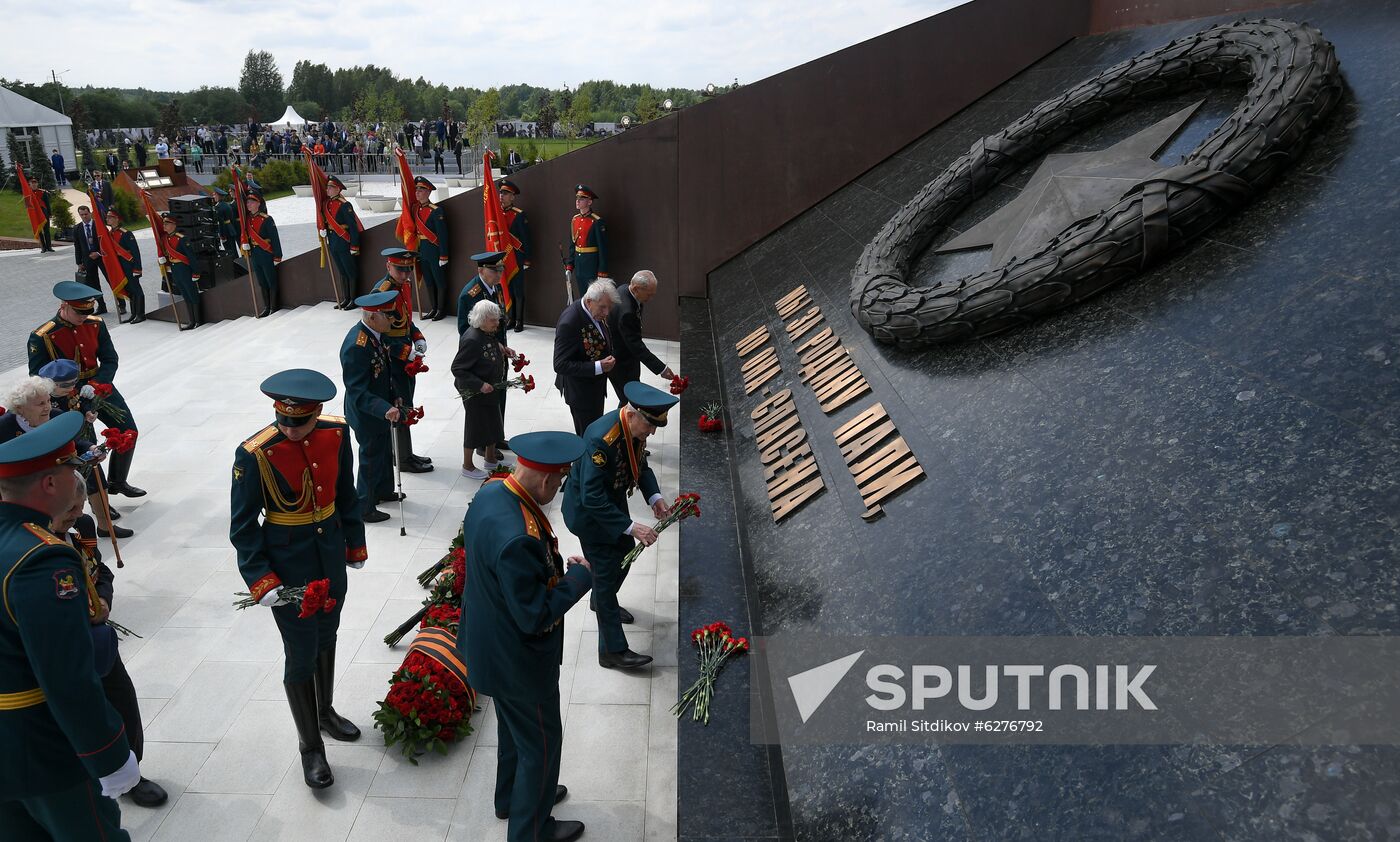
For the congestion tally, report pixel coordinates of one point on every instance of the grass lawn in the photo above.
(546, 148)
(14, 222)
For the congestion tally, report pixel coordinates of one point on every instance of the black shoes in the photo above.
(375, 516)
(560, 793)
(558, 831)
(625, 660)
(393, 498)
(415, 465)
(147, 794)
(136, 320)
(518, 328)
(125, 489)
(627, 618)
(120, 531)
(438, 316)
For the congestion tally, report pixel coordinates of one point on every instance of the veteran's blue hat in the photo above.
(650, 401)
(297, 394)
(61, 370)
(546, 450)
(376, 300)
(46, 446)
(399, 256)
(488, 258)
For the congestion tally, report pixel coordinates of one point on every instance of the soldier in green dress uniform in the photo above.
(295, 519)
(513, 606)
(184, 272)
(342, 236)
(405, 343)
(65, 748)
(78, 335)
(263, 249)
(431, 223)
(614, 464)
(129, 256)
(227, 217)
(370, 402)
(520, 228)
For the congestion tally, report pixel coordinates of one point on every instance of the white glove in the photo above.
(322, 232)
(128, 776)
(161, 261)
(87, 393)
(442, 261)
(355, 564)
(421, 347)
(270, 598)
(246, 248)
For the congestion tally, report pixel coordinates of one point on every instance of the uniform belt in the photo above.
(586, 249)
(23, 699)
(87, 372)
(301, 518)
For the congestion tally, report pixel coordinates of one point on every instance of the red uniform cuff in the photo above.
(356, 553)
(261, 587)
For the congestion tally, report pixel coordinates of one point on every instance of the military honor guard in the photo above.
(370, 402)
(431, 221)
(625, 324)
(583, 354)
(612, 467)
(520, 229)
(184, 272)
(263, 249)
(66, 750)
(227, 218)
(588, 242)
(513, 605)
(76, 334)
(129, 256)
(406, 343)
(342, 236)
(295, 519)
(81, 533)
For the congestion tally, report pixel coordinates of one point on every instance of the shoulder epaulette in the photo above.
(475, 290)
(361, 339)
(613, 434)
(255, 443)
(334, 419)
(44, 535)
(45, 328)
(97, 319)
(595, 216)
(532, 526)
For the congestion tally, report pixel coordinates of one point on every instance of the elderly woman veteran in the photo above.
(478, 368)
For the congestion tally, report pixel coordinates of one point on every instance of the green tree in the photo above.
(647, 107)
(545, 114)
(261, 85)
(482, 115)
(579, 115)
(170, 123)
(312, 82)
(214, 106)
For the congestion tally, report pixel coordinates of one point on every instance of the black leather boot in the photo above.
(332, 723)
(431, 297)
(116, 477)
(301, 698)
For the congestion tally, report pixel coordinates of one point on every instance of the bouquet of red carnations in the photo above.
(415, 367)
(715, 643)
(313, 597)
(525, 382)
(711, 417)
(118, 441)
(686, 505)
(411, 416)
(679, 384)
(102, 392)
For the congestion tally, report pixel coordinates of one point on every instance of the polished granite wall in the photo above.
(1211, 448)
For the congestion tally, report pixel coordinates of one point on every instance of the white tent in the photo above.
(25, 117)
(291, 119)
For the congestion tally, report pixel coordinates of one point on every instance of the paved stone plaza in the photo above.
(219, 736)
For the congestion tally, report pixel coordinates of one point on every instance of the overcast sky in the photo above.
(182, 44)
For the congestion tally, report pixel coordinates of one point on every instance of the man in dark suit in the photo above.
(625, 323)
(87, 255)
(102, 189)
(583, 354)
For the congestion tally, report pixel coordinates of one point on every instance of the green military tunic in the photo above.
(595, 509)
(369, 393)
(58, 733)
(295, 518)
(512, 642)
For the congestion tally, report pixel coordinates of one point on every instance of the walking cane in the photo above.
(398, 471)
(107, 508)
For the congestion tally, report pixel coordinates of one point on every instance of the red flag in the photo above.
(116, 278)
(240, 195)
(32, 203)
(498, 236)
(156, 227)
(318, 190)
(407, 228)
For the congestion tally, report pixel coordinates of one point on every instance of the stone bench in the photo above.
(302, 190)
